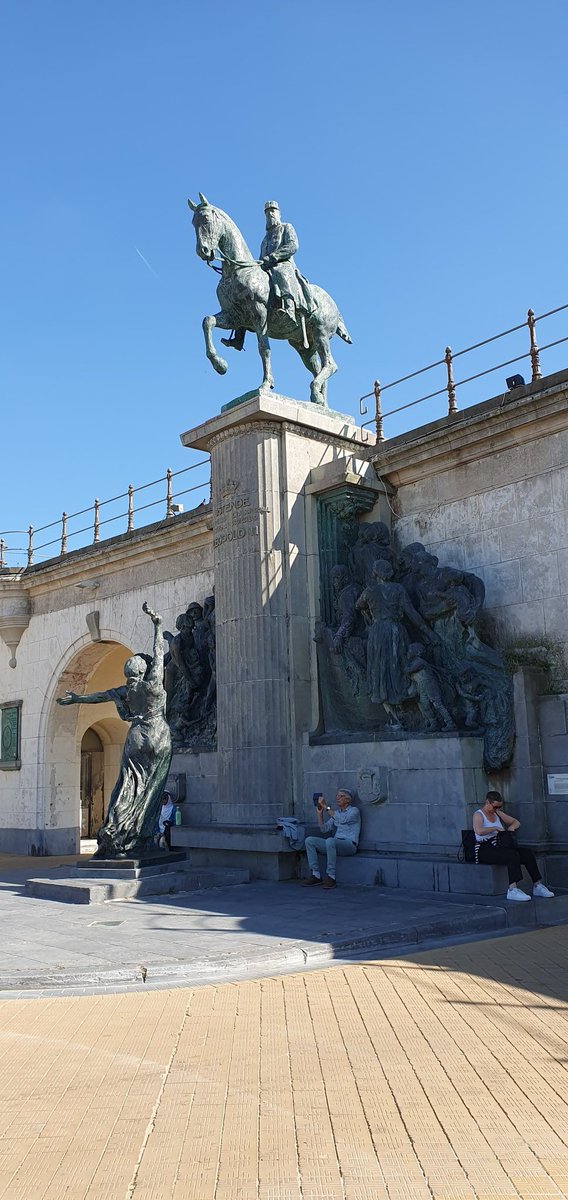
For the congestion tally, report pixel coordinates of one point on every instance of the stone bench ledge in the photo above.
(261, 839)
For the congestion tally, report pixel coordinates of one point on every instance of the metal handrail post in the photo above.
(450, 386)
(169, 510)
(534, 351)
(378, 412)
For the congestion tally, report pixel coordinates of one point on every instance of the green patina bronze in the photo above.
(267, 296)
(132, 815)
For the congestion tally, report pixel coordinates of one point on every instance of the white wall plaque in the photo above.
(557, 785)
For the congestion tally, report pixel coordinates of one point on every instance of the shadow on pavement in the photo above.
(241, 931)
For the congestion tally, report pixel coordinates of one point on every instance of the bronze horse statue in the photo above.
(246, 303)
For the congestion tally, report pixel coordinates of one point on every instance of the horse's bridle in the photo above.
(234, 262)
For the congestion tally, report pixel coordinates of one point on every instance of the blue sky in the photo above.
(419, 149)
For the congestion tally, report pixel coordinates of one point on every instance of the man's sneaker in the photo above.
(515, 893)
(541, 890)
(329, 882)
(311, 881)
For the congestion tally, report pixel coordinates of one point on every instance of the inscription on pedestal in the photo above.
(235, 514)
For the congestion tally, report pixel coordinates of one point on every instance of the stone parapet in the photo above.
(504, 422)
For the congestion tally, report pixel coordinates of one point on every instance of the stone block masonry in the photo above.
(487, 490)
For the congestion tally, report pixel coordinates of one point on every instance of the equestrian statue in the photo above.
(266, 296)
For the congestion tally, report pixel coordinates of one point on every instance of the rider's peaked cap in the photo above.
(271, 204)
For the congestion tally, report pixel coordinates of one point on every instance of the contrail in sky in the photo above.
(145, 260)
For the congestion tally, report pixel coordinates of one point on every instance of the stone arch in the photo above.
(86, 666)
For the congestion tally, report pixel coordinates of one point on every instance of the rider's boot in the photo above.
(237, 341)
(288, 317)
(289, 308)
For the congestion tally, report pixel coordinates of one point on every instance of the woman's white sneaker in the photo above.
(515, 893)
(539, 889)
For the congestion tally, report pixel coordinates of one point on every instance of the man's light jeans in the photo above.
(329, 846)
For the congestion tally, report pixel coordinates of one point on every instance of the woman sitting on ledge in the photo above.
(495, 846)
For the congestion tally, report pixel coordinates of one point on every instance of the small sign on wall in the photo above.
(557, 785)
(10, 735)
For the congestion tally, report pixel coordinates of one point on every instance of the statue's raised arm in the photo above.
(155, 673)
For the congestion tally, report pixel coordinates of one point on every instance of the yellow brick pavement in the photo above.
(439, 1076)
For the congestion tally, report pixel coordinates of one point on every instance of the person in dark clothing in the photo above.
(495, 846)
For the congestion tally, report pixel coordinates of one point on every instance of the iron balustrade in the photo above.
(94, 526)
(533, 354)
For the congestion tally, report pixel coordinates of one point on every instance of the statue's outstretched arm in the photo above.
(93, 698)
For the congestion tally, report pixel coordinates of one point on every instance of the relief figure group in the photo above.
(405, 647)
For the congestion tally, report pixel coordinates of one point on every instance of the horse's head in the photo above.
(206, 224)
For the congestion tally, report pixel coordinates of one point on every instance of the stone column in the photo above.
(254, 697)
(263, 451)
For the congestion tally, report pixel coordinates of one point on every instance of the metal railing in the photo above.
(58, 543)
(533, 354)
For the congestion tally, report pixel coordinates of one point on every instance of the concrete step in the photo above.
(534, 914)
(75, 887)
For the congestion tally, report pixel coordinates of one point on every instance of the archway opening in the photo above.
(92, 783)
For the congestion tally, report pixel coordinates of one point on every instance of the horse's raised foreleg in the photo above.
(209, 323)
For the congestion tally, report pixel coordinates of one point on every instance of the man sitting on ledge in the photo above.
(345, 825)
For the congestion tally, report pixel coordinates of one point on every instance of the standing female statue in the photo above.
(388, 606)
(132, 815)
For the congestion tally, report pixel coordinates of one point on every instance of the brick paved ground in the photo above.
(442, 1075)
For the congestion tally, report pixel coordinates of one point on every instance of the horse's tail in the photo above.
(342, 331)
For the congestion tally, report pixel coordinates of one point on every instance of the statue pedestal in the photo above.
(131, 867)
(269, 457)
(97, 881)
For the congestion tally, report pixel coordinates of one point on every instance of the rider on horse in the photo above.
(288, 289)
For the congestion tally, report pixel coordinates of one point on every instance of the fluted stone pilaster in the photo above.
(262, 453)
(251, 606)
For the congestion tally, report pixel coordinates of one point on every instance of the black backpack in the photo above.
(466, 852)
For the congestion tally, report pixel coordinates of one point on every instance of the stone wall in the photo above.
(488, 491)
(415, 794)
